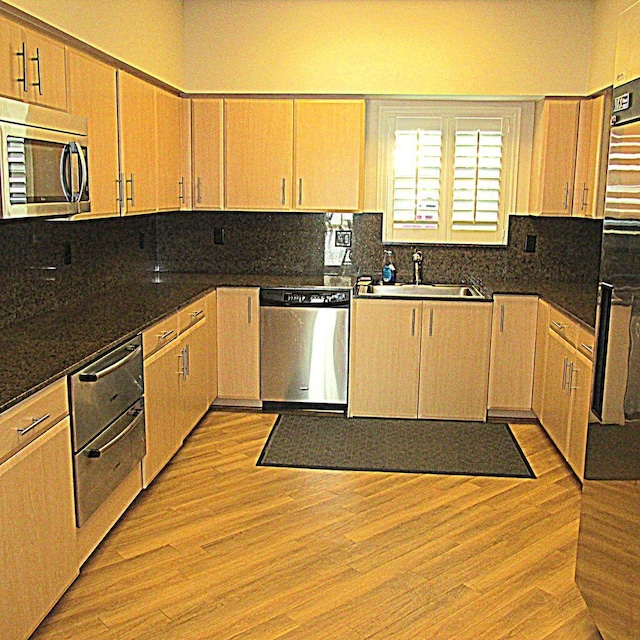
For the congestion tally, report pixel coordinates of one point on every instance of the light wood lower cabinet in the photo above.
(384, 361)
(413, 359)
(238, 335)
(513, 340)
(37, 543)
(540, 362)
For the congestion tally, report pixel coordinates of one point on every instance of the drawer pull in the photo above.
(34, 423)
(586, 347)
(196, 314)
(165, 334)
(557, 325)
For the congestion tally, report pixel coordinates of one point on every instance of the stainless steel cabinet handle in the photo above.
(34, 423)
(565, 204)
(132, 199)
(96, 453)
(557, 325)
(198, 190)
(38, 82)
(572, 370)
(501, 318)
(182, 371)
(585, 190)
(182, 196)
(120, 194)
(249, 310)
(187, 362)
(23, 81)
(586, 347)
(413, 322)
(284, 191)
(165, 334)
(94, 377)
(300, 191)
(564, 373)
(196, 314)
(430, 322)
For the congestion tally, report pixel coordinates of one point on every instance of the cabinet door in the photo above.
(194, 384)
(513, 341)
(586, 193)
(137, 140)
(555, 404)
(212, 345)
(384, 358)
(579, 383)
(13, 81)
(170, 182)
(454, 361)
(37, 545)
(554, 153)
(92, 93)
(542, 333)
(161, 372)
(206, 118)
(329, 147)
(238, 334)
(258, 154)
(46, 71)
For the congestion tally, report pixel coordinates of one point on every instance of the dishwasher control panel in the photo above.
(310, 297)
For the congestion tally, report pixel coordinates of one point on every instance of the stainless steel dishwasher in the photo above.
(304, 338)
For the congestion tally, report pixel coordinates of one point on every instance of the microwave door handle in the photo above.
(84, 172)
(65, 159)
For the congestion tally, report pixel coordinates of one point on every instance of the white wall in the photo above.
(148, 34)
(409, 47)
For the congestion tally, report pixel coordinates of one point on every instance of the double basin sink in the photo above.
(424, 291)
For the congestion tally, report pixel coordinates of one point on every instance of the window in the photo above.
(447, 171)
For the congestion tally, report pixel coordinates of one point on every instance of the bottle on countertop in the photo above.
(388, 269)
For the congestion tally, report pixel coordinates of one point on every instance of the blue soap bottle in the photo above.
(388, 269)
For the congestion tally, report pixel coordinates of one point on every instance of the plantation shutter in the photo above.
(477, 174)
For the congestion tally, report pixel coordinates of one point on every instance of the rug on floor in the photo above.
(404, 446)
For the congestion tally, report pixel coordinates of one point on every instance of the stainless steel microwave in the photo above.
(44, 169)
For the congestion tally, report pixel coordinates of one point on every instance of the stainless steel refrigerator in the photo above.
(608, 560)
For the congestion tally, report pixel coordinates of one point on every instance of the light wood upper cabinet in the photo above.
(554, 154)
(168, 123)
(384, 362)
(591, 156)
(329, 150)
(207, 154)
(238, 335)
(258, 154)
(37, 558)
(137, 144)
(33, 67)
(92, 93)
(513, 341)
(627, 61)
(454, 360)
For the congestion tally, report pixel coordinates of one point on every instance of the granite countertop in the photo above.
(44, 348)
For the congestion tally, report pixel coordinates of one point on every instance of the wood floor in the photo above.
(219, 548)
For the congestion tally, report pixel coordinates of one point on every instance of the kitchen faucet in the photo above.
(417, 266)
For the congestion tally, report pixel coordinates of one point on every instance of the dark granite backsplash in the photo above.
(45, 264)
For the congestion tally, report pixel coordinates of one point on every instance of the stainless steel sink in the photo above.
(426, 291)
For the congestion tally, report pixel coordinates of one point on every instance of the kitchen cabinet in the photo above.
(170, 185)
(454, 360)
(513, 340)
(384, 359)
(304, 155)
(627, 60)
(554, 156)
(540, 360)
(258, 154)
(207, 153)
(34, 67)
(412, 359)
(212, 324)
(137, 144)
(92, 92)
(328, 138)
(37, 551)
(591, 157)
(567, 388)
(238, 336)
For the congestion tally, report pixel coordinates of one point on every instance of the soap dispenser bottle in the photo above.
(388, 269)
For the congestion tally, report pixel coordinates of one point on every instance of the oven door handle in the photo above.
(96, 453)
(94, 377)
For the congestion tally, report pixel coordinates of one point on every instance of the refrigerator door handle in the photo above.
(602, 339)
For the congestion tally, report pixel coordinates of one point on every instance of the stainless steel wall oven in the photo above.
(108, 428)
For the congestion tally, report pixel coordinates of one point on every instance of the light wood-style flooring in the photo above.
(219, 548)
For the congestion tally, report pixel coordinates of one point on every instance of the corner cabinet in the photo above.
(294, 155)
(171, 187)
(419, 359)
(207, 153)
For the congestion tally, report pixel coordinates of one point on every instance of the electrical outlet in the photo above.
(66, 253)
(343, 238)
(218, 235)
(530, 244)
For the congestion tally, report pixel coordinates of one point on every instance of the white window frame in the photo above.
(387, 114)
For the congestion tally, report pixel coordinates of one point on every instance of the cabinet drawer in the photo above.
(585, 342)
(159, 334)
(32, 416)
(192, 314)
(563, 326)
